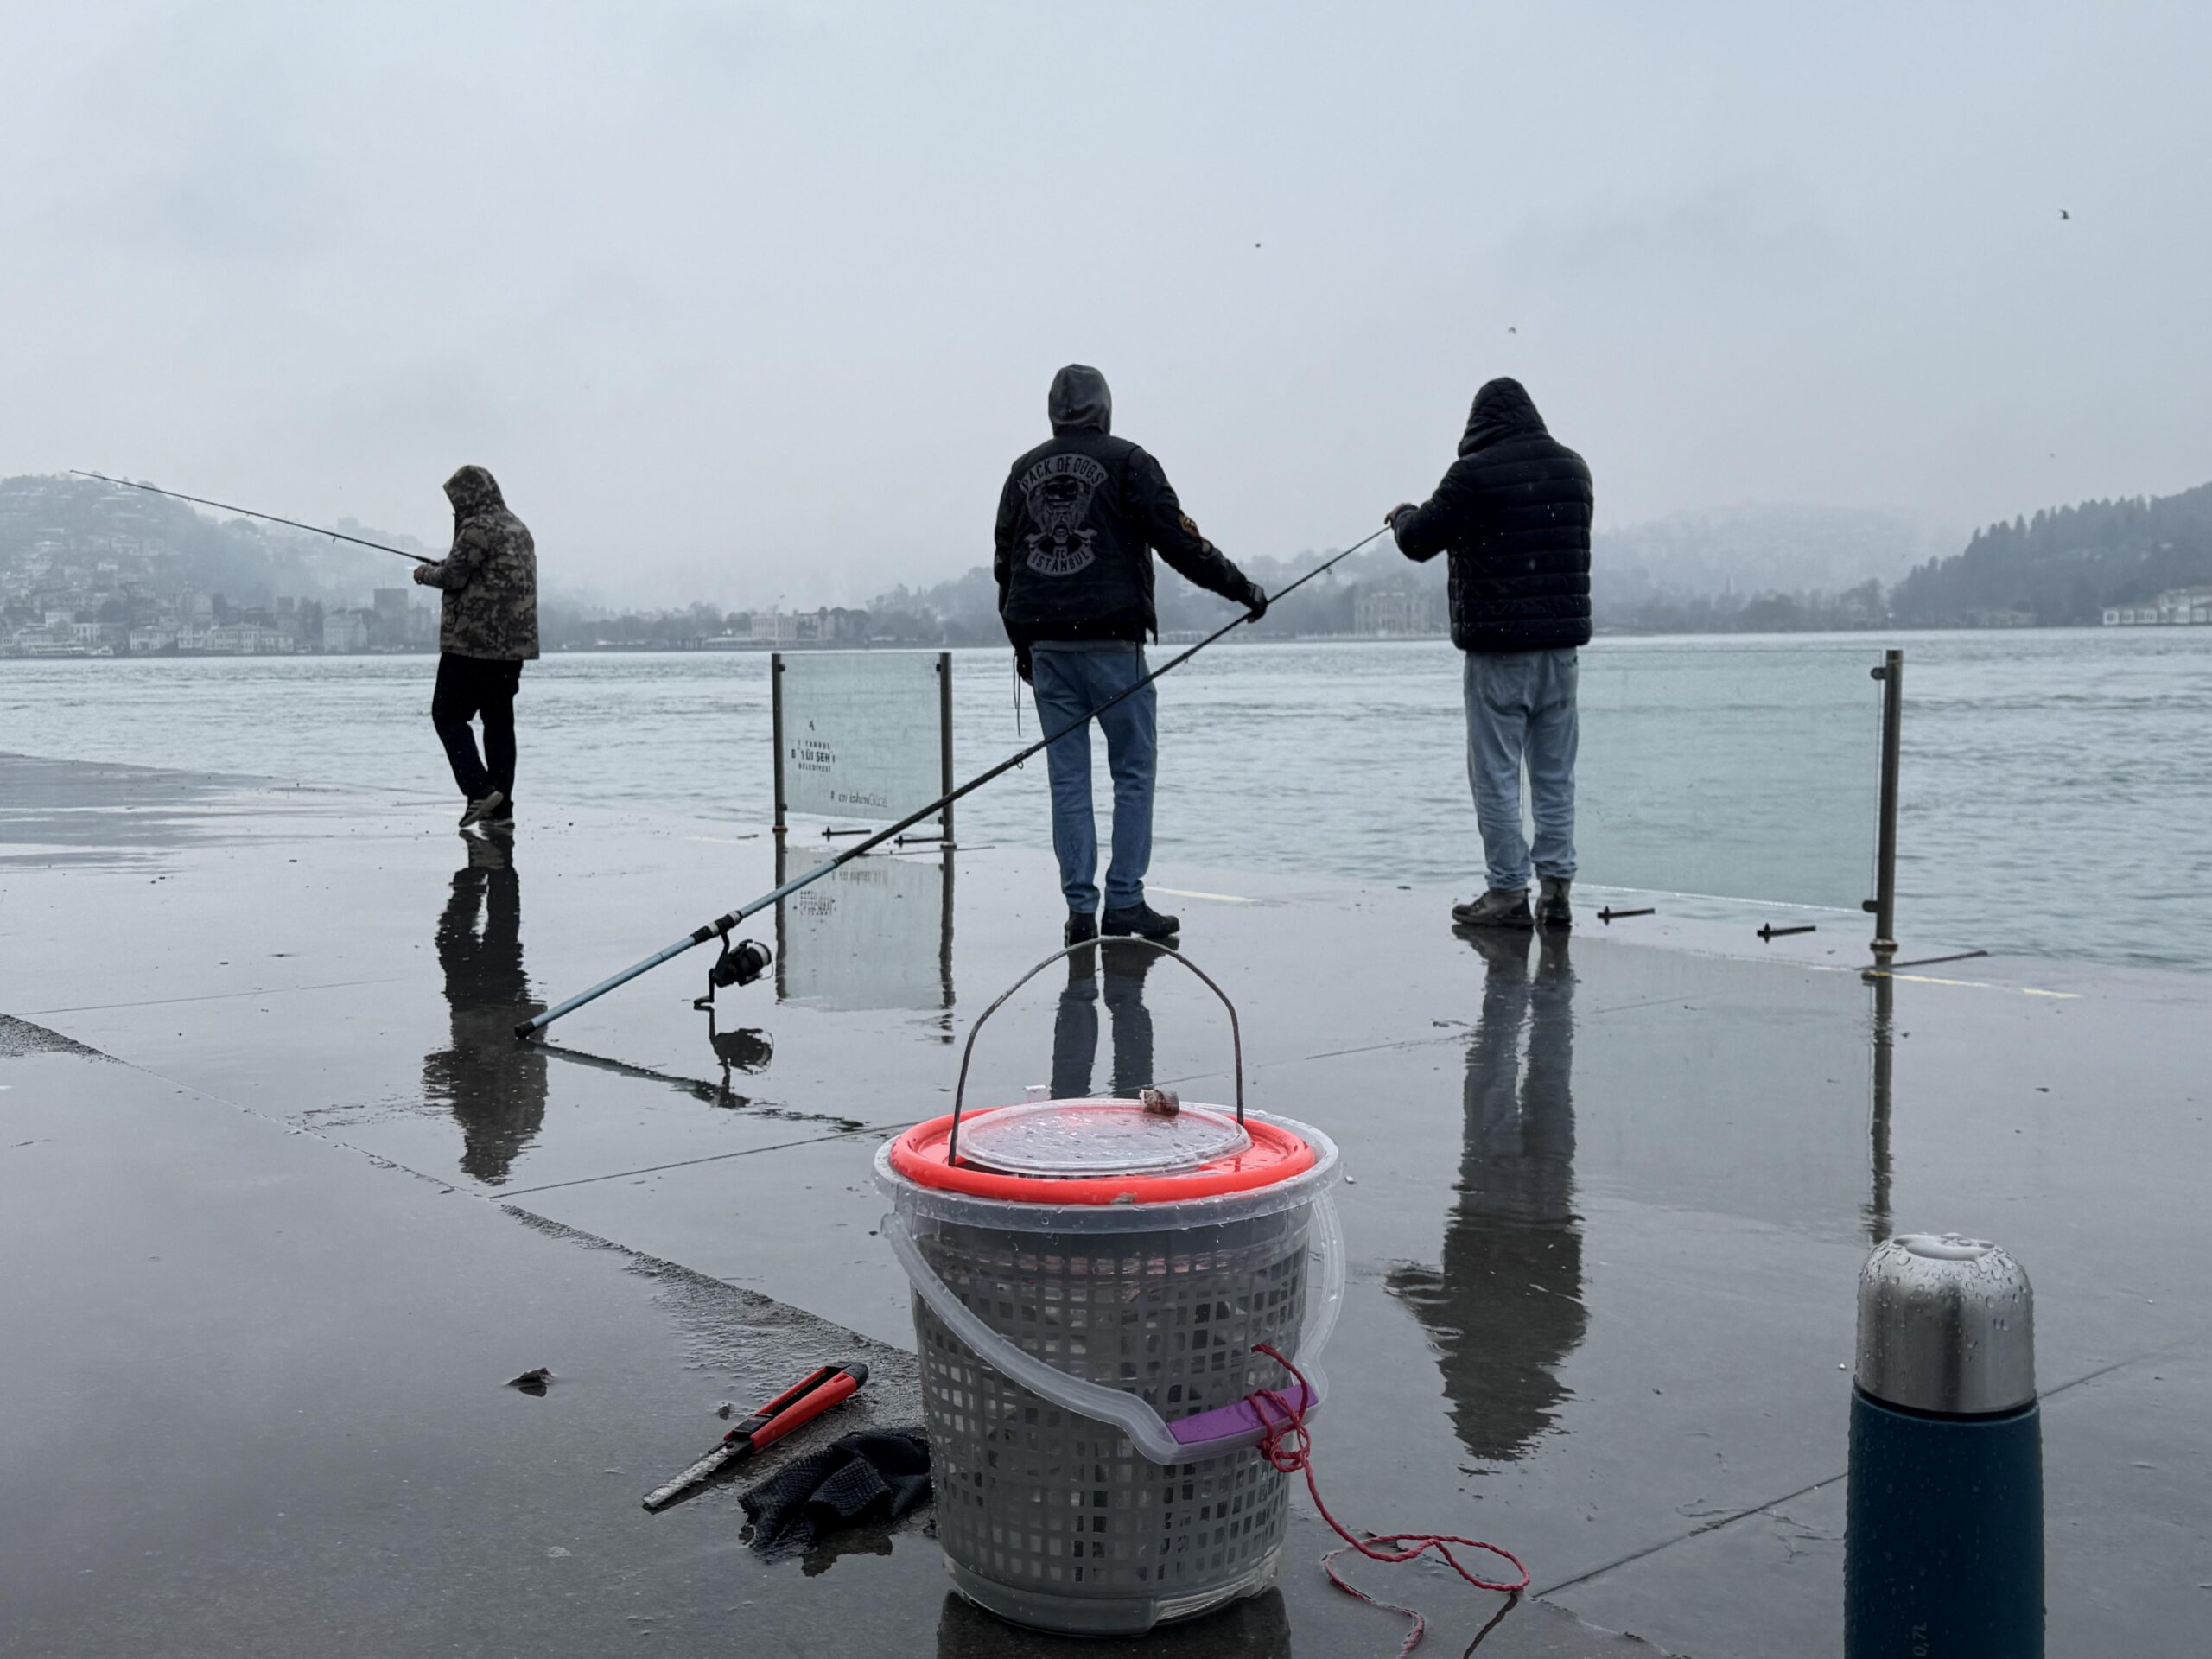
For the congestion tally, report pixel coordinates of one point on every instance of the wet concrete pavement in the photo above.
(1607, 1202)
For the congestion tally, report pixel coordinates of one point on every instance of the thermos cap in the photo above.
(1946, 1325)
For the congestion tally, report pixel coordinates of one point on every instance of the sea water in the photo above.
(2055, 801)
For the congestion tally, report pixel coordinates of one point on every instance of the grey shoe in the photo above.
(1082, 928)
(481, 810)
(1552, 907)
(1499, 907)
(1140, 920)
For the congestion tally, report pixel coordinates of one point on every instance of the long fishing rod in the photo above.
(721, 926)
(316, 530)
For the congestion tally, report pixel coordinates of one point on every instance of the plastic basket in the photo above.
(1084, 1370)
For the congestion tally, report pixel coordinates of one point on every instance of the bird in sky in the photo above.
(2063, 214)
(1510, 329)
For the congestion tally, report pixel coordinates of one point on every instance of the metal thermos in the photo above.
(1943, 1543)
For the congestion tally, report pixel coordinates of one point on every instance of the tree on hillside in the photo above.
(2064, 565)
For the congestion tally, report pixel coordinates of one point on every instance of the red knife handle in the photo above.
(842, 1386)
(761, 1418)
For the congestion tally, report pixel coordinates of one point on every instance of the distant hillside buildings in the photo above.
(92, 570)
(115, 623)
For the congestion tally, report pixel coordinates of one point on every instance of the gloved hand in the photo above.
(1023, 666)
(1256, 601)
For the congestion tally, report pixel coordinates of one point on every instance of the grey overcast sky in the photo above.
(742, 302)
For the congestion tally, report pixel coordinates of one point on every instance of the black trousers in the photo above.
(469, 687)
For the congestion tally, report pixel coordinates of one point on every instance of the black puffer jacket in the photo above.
(1078, 523)
(1513, 513)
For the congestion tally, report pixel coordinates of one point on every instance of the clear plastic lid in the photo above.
(1072, 1139)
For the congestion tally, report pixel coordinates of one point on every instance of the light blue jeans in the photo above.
(1071, 680)
(1521, 711)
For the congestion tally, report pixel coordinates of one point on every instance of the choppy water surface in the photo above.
(2056, 785)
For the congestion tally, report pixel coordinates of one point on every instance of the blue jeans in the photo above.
(1071, 680)
(1520, 710)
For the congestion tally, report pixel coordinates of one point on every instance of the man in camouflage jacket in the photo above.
(488, 631)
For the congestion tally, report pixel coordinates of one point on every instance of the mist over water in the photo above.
(2054, 799)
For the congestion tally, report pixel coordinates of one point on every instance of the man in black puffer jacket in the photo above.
(1078, 523)
(1514, 514)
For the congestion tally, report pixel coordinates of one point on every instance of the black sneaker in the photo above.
(1139, 920)
(480, 811)
(1082, 928)
(1552, 907)
(1499, 907)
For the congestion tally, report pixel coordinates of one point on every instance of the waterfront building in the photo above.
(2176, 607)
(1390, 614)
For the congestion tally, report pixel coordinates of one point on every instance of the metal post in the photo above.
(783, 937)
(1943, 1549)
(776, 731)
(1877, 1200)
(944, 741)
(1884, 902)
(944, 934)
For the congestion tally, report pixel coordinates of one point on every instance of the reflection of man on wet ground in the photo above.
(1506, 1307)
(1075, 1027)
(495, 1085)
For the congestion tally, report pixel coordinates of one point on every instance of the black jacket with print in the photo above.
(1079, 521)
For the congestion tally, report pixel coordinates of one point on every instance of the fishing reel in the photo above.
(738, 964)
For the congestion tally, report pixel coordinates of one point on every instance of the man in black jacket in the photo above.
(1079, 521)
(1514, 514)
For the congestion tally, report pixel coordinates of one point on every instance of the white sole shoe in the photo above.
(478, 811)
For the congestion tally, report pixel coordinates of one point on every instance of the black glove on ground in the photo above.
(875, 1475)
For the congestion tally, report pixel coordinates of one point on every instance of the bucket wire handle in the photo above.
(1236, 1033)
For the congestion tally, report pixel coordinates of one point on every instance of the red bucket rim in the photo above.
(1276, 1155)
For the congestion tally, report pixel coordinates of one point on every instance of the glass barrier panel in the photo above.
(1741, 769)
(1737, 770)
(863, 733)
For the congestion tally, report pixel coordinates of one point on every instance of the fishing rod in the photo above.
(315, 530)
(721, 926)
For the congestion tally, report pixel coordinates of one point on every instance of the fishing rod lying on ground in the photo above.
(748, 961)
(317, 530)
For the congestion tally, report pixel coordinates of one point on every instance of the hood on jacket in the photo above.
(1503, 410)
(1079, 401)
(472, 490)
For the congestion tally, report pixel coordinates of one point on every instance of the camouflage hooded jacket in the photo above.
(489, 579)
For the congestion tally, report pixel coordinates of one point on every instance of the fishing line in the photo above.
(314, 529)
(721, 926)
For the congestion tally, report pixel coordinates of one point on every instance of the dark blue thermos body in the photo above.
(1943, 1547)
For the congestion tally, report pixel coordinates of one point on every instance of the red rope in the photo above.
(1287, 1444)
